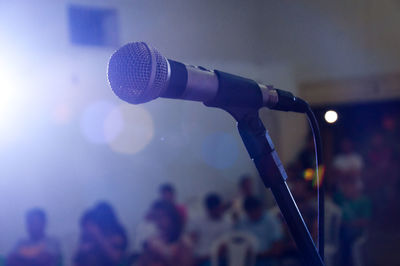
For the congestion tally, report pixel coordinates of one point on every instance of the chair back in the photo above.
(240, 249)
(333, 221)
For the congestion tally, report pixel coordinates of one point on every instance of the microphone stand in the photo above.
(261, 150)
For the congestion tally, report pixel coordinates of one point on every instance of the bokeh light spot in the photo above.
(331, 116)
(93, 122)
(309, 174)
(12, 106)
(137, 128)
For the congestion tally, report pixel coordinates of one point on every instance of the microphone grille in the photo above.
(137, 73)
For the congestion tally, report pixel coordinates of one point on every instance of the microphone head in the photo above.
(137, 73)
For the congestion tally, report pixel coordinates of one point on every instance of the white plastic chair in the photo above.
(333, 221)
(240, 247)
(357, 254)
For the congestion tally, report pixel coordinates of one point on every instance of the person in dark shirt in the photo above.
(38, 249)
(170, 247)
(168, 193)
(103, 240)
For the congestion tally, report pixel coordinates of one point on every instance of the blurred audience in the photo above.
(38, 248)
(265, 227)
(170, 246)
(103, 240)
(209, 228)
(161, 238)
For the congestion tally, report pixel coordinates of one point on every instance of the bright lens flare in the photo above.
(331, 116)
(11, 105)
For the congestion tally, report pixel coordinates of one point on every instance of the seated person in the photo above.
(245, 189)
(168, 193)
(145, 230)
(169, 247)
(348, 160)
(103, 240)
(356, 213)
(265, 227)
(37, 249)
(207, 229)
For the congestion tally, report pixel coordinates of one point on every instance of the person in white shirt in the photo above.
(145, 230)
(348, 161)
(210, 227)
(266, 228)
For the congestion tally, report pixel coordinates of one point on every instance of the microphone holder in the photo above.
(261, 150)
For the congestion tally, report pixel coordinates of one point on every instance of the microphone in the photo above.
(138, 73)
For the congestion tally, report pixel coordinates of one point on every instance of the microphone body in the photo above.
(216, 88)
(138, 73)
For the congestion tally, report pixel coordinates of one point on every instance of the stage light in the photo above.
(12, 102)
(331, 116)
